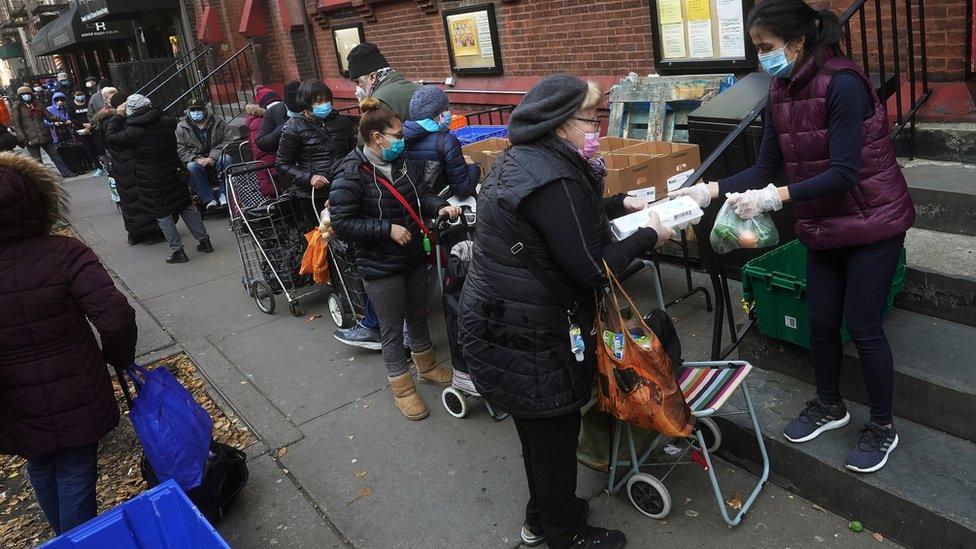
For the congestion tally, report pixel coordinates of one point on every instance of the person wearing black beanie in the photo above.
(374, 78)
(543, 242)
(275, 117)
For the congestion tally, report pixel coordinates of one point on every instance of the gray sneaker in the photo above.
(360, 336)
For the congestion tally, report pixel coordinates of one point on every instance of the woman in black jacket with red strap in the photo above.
(379, 204)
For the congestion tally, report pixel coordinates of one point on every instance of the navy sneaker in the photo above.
(872, 451)
(816, 418)
(360, 336)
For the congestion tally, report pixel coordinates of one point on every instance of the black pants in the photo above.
(853, 284)
(549, 453)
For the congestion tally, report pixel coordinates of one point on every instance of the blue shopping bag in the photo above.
(174, 430)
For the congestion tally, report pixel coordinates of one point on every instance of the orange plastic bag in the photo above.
(316, 259)
(635, 379)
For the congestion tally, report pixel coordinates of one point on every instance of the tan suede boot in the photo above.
(428, 371)
(406, 397)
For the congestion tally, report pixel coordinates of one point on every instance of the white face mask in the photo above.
(360, 93)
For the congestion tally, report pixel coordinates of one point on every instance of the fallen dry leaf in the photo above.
(735, 501)
(364, 492)
(818, 508)
(360, 474)
(282, 451)
(877, 537)
(311, 318)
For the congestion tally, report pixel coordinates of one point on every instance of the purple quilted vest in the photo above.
(879, 206)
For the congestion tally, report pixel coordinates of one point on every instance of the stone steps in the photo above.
(924, 497)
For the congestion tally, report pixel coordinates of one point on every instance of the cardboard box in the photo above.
(626, 172)
(611, 144)
(485, 152)
(659, 165)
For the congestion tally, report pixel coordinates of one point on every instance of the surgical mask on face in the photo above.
(64, 82)
(776, 64)
(89, 85)
(394, 151)
(322, 110)
(37, 89)
(430, 125)
(360, 93)
(591, 142)
(27, 97)
(80, 98)
(292, 114)
(446, 121)
(196, 116)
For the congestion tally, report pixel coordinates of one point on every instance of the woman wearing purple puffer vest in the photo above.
(826, 126)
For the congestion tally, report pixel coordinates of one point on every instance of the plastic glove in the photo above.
(752, 203)
(698, 192)
(664, 234)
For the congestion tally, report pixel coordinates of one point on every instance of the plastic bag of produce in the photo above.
(731, 232)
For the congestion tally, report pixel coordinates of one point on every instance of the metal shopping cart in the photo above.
(706, 387)
(270, 234)
(347, 300)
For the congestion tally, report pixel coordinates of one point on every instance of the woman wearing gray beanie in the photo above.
(543, 238)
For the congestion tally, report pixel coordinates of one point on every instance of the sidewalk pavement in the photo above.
(337, 465)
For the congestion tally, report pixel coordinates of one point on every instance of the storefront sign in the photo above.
(472, 40)
(95, 10)
(701, 35)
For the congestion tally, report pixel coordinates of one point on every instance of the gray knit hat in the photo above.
(136, 102)
(548, 105)
(428, 102)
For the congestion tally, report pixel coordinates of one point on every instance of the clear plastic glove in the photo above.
(633, 204)
(752, 203)
(698, 192)
(664, 234)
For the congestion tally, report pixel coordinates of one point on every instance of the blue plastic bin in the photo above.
(160, 518)
(472, 134)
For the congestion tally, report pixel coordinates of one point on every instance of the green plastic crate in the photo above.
(776, 283)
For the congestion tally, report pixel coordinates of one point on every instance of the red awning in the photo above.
(254, 22)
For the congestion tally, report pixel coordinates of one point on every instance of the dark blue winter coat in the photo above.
(445, 148)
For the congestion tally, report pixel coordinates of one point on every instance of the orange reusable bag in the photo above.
(316, 259)
(640, 386)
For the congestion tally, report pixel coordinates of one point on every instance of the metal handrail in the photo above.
(206, 79)
(205, 51)
(176, 64)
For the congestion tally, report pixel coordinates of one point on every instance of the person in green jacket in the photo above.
(374, 78)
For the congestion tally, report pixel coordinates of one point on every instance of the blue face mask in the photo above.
(322, 110)
(197, 116)
(446, 121)
(27, 97)
(293, 114)
(429, 125)
(775, 63)
(395, 150)
(80, 98)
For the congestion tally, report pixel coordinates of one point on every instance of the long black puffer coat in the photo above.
(145, 164)
(312, 147)
(363, 211)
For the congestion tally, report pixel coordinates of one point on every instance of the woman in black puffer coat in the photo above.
(390, 252)
(146, 169)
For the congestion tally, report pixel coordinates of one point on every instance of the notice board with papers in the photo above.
(694, 36)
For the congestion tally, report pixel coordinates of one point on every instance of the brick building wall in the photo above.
(597, 39)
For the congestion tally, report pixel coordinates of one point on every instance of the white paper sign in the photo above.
(700, 39)
(647, 194)
(730, 38)
(673, 40)
(729, 9)
(484, 34)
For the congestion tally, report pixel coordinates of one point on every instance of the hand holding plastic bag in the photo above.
(731, 232)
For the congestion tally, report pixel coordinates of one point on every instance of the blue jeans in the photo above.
(369, 320)
(64, 483)
(200, 177)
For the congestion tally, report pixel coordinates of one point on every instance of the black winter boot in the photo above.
(179, 256)
(205, 246)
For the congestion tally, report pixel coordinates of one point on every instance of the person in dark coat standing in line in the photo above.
(31, 121)
(389, 247)
(143, 144)
(544, 196)
(56, 397)
(278, 113)
(430, 143)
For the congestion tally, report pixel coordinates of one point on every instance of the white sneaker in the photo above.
(223, 200)
(211, 205)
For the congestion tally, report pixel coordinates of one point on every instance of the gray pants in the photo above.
(396, 299)
(193, 222)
